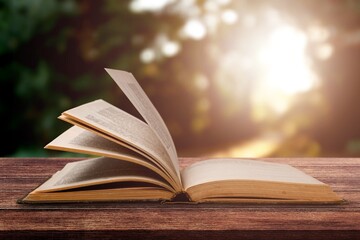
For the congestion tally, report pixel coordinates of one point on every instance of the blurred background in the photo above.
(234, 78)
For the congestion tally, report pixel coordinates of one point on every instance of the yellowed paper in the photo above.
(100, 171)
(142, 103)
(76, 139)
(111, 120)
(239, 169)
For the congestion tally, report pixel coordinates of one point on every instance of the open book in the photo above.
(139, 162)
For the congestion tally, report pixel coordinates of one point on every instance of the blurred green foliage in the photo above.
(52, 57)
(29, 106)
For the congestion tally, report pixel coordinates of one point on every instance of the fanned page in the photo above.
(79, 140)
(100, 116)
(142, 103)
(98, 171)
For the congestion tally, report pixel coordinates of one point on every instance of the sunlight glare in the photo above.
(147, 55)
(194, 29)
(139, 6)
(229, 16)
(317, 33)
(170, 48)
(324, 51)
(286, 67)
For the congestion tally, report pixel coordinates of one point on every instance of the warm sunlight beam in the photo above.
(286, 67)
(285, 72)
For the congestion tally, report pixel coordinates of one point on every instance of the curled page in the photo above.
(144, 106)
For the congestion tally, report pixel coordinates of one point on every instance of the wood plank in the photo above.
(177, 219)
(197, 221)
(32, 166)
(181, 235)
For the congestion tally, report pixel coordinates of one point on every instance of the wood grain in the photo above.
(178, 221)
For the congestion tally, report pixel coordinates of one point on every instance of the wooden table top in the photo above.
(179, 221)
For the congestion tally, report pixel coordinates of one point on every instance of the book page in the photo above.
(101, 134)
(142, 103)
(76, 139)
(111, 120)
(100, 171)
(240, 169)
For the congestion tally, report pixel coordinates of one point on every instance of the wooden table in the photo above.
(179, 221)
